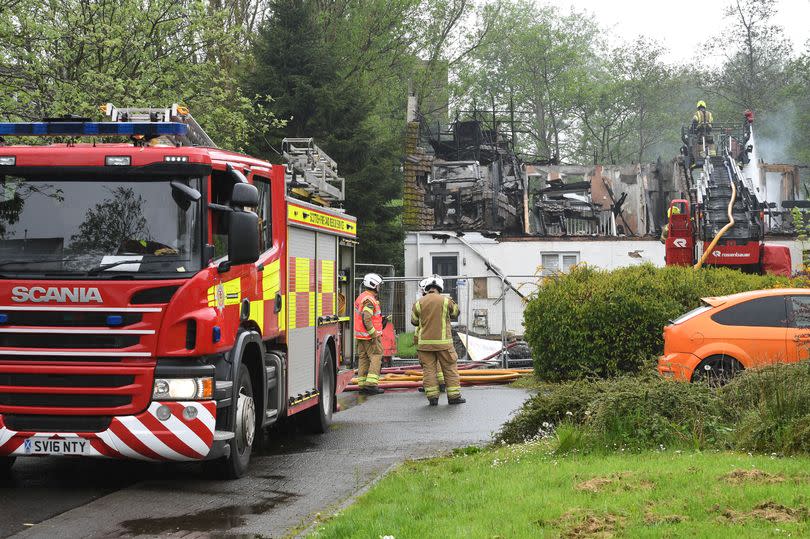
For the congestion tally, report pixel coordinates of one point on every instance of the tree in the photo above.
(754, 69)
(540, 61)
(69, 56)
(310, 89)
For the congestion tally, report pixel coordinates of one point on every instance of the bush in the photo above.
(770, 408)
(550, 406)
(765, 410)
(643, 414)
(629, 412)
(592, 322)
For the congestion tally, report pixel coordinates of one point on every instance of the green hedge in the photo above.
(762, 410)
(592, 322)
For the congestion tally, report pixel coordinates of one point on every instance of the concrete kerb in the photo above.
(348, 501)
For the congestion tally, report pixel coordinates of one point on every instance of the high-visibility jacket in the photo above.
(367, 301)
(431, 315)
(703, 117)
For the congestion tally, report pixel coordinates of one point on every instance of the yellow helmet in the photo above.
(701, 103)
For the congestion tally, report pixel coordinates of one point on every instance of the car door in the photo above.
(798, 333)
(757, 326)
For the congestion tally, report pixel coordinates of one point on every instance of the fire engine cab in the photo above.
(162, 299)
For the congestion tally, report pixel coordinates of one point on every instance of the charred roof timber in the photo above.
(467, 177)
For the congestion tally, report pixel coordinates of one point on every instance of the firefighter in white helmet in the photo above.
(431, 315)
(368, 322)
(439, 373)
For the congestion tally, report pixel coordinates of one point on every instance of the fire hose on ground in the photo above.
(410, 376)
(413, 378)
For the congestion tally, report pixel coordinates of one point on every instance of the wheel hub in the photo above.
(245, 420)
(326, 394)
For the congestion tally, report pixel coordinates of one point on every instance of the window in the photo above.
(558, 262)
(265, 213)
(480, 288)
(446, 265)
(761, 312)
(800, 311)
(221, 189)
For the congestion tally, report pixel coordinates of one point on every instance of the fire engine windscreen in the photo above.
(86, 227)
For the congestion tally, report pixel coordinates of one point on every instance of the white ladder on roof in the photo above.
(311, 169)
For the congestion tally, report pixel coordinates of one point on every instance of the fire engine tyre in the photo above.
(716, 371)
(320, 417)
(241, 444)
(5, 465)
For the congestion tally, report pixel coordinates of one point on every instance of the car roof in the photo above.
(716, 301)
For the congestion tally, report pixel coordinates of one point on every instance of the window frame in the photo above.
(560, 257)
(266, 223)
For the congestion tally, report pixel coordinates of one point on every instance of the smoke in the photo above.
(775, 133)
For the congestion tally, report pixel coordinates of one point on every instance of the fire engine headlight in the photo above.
(183, 389)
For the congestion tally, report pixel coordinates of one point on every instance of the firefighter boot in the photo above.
(442, 385)
(457, 400)
(372, 390)
(433, 401)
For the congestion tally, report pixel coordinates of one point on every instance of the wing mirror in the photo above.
(183, 195)
(244, 195)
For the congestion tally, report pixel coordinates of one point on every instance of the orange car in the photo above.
(730, 333)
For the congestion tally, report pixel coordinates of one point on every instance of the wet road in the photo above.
(293, 476)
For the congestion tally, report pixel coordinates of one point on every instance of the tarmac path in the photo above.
(293, 476)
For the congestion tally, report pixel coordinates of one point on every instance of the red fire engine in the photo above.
(162, 299)
(722, 224)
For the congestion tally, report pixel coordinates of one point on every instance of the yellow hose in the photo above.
(723, 230)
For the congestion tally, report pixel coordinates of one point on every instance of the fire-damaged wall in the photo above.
(600, 200)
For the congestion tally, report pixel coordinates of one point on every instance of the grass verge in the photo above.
(528, 490)
(405, 345)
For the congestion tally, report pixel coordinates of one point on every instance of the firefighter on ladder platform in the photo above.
(431, 315)
(368, 326)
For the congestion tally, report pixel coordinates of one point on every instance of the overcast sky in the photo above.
(680, 25)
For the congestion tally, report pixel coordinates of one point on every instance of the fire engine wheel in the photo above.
(5, 465)
(716, 371)
(241, 444)
(320, 417)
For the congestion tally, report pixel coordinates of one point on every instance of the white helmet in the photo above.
(434, 281)
(372, 281)
(422, 286)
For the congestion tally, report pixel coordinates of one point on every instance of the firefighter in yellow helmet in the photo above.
(368, 322)
(431, 315)
(702, 120)
(673, 210)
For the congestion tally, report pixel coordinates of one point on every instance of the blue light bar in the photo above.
(92, 129)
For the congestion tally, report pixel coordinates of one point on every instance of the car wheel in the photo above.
(235, 465)
(716, 371)
(5, 465)
(320, 417)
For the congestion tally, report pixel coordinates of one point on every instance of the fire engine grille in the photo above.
(68, 318)
(64, 380)
(80, 389)
(67, 341)
(63, 401)
(58, 423)
(9, 357)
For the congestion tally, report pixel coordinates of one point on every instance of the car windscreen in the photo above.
(82, 227)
